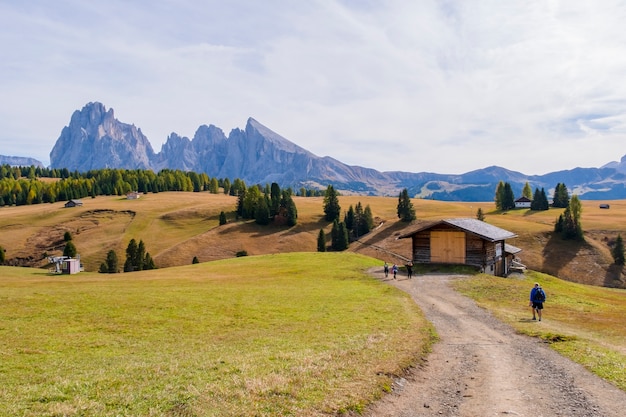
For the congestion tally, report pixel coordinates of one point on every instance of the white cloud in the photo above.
(436, 86)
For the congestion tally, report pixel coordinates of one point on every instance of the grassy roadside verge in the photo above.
(584, 323)
(301, 334)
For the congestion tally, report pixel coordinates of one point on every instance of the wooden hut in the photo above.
(463, 241)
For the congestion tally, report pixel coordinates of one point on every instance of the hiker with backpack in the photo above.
(537, 298)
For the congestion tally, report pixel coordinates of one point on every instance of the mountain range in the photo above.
(95, 139)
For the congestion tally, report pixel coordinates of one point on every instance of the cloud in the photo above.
(440, 86)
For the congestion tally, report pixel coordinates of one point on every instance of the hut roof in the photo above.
(475, 226)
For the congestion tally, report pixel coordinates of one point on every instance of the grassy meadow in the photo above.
(299, 334)
(287, 331)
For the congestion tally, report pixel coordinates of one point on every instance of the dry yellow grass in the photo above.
(177, 226)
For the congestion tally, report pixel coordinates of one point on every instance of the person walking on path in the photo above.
(537, 298)
(386, 269)
(394, 269)
(409, 269)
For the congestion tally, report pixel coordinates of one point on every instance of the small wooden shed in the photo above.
(463, 241)
(74, 203)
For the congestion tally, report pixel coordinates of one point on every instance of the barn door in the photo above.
(447, 247)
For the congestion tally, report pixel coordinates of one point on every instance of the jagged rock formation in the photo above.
(94, 139)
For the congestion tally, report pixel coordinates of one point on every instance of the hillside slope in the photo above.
(176, 227)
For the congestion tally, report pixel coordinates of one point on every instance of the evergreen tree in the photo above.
(67, 236)
(138, 260)
(368, 219)
(527, 191)
(321, 241)
(226, 186)
(2, 255)
(70, 250)
(561, 196)
(332, 209)
(618, 251)
(275, 198)
(292, 211)
(131, 256)
(536, 204)
(148, 262)
(480, 215)
(405, 210)
(262, 211)
(508, 201)
(339, 236)
(109, 266)
(348, 219)
(214, 186)
(222, 218)
(250, 202)
(499, 198)
(558, 226)
(195, 260)
(570, 225)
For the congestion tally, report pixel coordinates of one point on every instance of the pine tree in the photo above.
(148, 262)
(536, 203)
(321, 241)
(480, 215)
(131, 255)
(275, 198)
(499, 198)
(2, 255)
(339, 236)
(348, 219)
(222, 218)
(618, 251)
(262, 211)
(527, 191)
(508, 201)
(195, 260)
(368, 219)
(561, 196)
(405, 210)
(332, 209)
(70, 250)
(138, 259)
(288, 206)
(111, 262)
(569, 222)
(292, 212)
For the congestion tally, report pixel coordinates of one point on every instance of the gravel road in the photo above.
(481, 367)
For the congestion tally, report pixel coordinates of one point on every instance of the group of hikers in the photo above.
(537, 295)
(394, 270)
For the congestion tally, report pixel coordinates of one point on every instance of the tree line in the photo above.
(22, 185)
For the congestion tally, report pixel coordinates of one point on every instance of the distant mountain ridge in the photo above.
(20, 161)
(94, 139)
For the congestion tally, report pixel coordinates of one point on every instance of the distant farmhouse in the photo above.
(133, 195)
(464, 241)
(523, 202)
(74, 203)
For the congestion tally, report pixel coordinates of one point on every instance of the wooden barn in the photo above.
(463, 241)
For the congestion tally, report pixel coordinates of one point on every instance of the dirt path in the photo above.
(482, 368)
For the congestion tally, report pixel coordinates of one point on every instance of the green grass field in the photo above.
(582, 322)
(292, 334)
(287, 332)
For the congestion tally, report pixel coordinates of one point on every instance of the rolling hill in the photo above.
(177, 226)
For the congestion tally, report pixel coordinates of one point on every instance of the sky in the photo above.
(444, 86)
